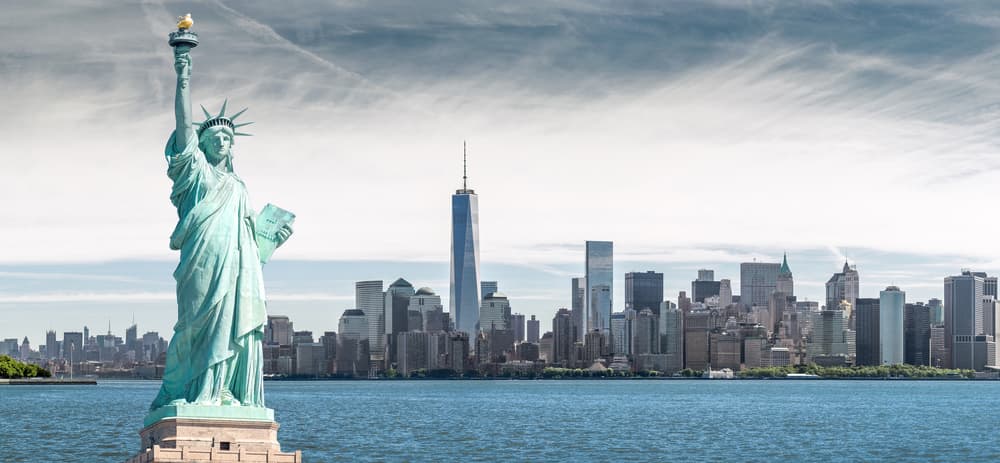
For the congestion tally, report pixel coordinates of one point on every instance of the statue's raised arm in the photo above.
(182, 100)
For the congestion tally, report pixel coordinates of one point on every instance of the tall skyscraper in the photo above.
(397, 304)
(562, 338)
(517, 322)
(494, 314)
(843, 286)
(353, 324)
(725, 293)
(488, 287)
(643, 290)
(465, 298)
(645, 333)
(600, 274)
(868, 319)
(672, 336)
(917, 334)
(785, 283)
(963, 317)
(51, 345)
(578, 297)
(533, 328)
(278, 330)
(937, 311)
(72, 346)
(757, 281)
(370, 299)
(892, 303)
(426, 303)
(705, 286)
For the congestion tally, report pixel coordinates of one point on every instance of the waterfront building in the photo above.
(599, 285)
(428, 304)
(278, 330)
(527, 352)
(621, 332)
(917, 334)
(594, 347)
(724, 349)
(963, 317)
(643, 290)
(517, 321)
(843, 286)
(411, 351)
(892, 303)
(51, 345)
(705, 286)
(495, 312)
(533, 328)
(753, 351)
(457, 351)
(562, 338)
(725, 293)
(464, 288)
(937, 311)
(990, 319)
(831, 338)
(369, 297)
(672, 336)
(645, 333)
(310, 359)
(778, 304)
(757, 281)
(778, 357)
(939, 355)
(353, 323)
(785, 283)
(578, 298)
(488, 287)
(868, 333)
(546, 348)
(683, 302)
(397, 315)
(72, 346)
(696, 342)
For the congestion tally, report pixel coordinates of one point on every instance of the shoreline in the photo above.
(47, 382)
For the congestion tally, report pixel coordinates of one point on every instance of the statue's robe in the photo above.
(216, 350)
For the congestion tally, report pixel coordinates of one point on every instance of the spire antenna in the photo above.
(465, 163)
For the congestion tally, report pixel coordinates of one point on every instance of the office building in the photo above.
(578, 298)
(843, 286)
(939, 355)
(724, 349)
(643, 290)
(757, 281)
(533, 329)
(645, 333)
(278, 330)
(495, 312)
(831, 338)
(397, 315)
(725, 293)
(599, 285)
(937, 311)
(868, 331)
(621, 332)
(464, 297)
(785, 281)
(488, 287)
(697, 325)
(51, 345)
(428, 304)
(562, 338)
(892, 303)
(672, 336)
(72, 346)
(963, 317)
(517, 324)
(411, 351)
(369, 297)
(705, 286)
(917, 334)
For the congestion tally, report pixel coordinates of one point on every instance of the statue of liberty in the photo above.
(215, 356)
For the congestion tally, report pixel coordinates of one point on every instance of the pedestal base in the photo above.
(178, 439)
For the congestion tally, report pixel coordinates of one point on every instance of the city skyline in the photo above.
(546, 147)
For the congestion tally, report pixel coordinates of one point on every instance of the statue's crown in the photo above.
(222, 120)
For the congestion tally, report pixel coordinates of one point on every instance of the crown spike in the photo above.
(241, 125)
(243, 134)
(234, 116)
(207, 114)
(222, 112)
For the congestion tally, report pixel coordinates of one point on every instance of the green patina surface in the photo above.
(214, 360)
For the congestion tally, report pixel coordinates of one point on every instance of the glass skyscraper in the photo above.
(599, 279)
(464, 294)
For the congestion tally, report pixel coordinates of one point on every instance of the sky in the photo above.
(692, 134)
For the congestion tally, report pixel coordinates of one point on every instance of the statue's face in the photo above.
(217, 144)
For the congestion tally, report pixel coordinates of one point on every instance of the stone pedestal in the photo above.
(192, 433)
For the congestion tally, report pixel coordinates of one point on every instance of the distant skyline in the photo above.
(704, 133)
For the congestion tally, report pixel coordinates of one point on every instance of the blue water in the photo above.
(548, 420)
